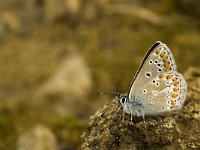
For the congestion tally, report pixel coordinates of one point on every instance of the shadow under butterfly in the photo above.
(157, 88)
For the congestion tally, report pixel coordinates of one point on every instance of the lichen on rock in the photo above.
(107, 130)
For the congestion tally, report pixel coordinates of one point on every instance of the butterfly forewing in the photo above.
(157, 85)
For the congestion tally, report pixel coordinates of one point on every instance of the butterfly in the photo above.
(157, 87)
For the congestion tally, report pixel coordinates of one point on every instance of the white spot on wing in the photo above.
(152, 102)
(157, 84)
(159, 70)
(144, 91)
(153, 82)
(151, 62)
(167, 96)
(155, 93)
(156, 61)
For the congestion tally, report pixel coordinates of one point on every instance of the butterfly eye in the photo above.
(123, 100)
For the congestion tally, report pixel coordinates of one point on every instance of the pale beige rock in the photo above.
(54, 9)
(37, 138)
(73, 6)
(11, 21)
(71, 79)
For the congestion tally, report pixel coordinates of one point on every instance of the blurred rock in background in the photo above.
(68, 85)
(10, 23)
(71, 79)
(37, 138)
(73, 9)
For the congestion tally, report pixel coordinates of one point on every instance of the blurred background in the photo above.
(56, 55)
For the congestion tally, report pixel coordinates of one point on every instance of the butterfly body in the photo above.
(157, 87)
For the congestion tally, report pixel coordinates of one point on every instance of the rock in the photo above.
(73, 7)
(174, 131)
(71, 79)
(3, 28)
(34, 9)
(67, 86)
(11, 21)
(54, 9)
(38, 138)
(48, 10)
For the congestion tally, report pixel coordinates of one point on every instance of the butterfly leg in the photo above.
(118, 109)
(131, 119)
(143, 116)
(137, 113)
(134, 118)
(123, 116)
(131, 112)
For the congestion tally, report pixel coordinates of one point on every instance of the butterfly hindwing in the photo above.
(165, 95)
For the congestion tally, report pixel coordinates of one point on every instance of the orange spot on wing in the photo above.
(161, 76)
(167, 64)
(168, 77)
(174, 95)
(157, 51)
(165, 59)
(167, 69)
(176, 83)
(176, 89)
(173, 104)
(162, 55)
(174, 79)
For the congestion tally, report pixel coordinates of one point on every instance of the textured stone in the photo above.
(38, 138)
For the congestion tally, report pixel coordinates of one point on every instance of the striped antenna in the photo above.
(110, 93)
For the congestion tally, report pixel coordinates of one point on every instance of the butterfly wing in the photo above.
(165, 95)
(157, 84)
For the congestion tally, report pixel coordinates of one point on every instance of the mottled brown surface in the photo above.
(107, 130)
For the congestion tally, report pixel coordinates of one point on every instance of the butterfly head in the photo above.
(122, 99)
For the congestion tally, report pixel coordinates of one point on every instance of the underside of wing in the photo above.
(157, 61)
(165, 93)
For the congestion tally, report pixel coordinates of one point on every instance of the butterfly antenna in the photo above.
(110, 93)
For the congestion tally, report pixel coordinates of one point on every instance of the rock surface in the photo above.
(175, 131)
(71, 79)
(38, 138)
